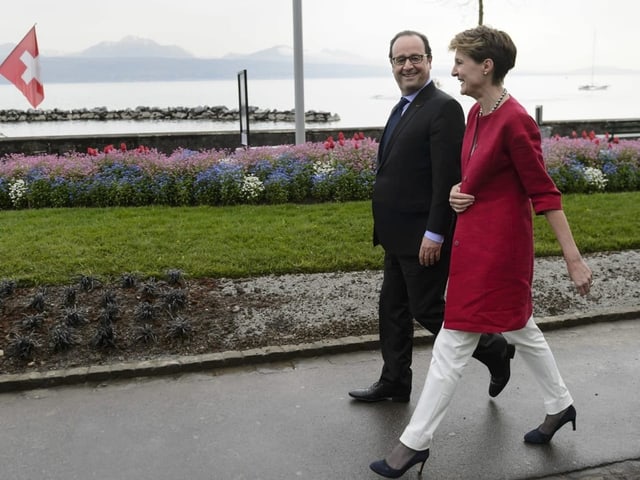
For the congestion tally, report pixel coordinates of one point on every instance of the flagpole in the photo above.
(298, 71)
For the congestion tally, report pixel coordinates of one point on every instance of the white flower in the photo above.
(252, 187)
(320, 168)
(595, 178)
(16, 191)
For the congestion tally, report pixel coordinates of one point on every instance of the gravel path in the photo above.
(335, 298)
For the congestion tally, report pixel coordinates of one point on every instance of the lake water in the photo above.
(360, 102)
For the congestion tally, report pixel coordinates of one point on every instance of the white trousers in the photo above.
(451, 352)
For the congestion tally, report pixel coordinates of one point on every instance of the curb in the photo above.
(214, 361)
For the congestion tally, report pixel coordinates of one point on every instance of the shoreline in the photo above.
(203, 113)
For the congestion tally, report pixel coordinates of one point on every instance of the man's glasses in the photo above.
(413, 59)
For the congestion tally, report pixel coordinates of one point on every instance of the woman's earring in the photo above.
(484, 73)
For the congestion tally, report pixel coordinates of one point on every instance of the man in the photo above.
(418, 163)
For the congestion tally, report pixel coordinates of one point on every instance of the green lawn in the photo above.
(53, 246)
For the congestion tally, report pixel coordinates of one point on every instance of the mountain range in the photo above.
(136, 59)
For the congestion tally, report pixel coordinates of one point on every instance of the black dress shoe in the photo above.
(378, 392)
(500, 379)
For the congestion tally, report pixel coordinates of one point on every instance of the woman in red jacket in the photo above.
(491, 273)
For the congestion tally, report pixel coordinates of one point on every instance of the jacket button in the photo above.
(456, 243)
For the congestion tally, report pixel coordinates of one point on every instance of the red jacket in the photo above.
(491, 270)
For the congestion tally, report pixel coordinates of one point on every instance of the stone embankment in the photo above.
(217, 113)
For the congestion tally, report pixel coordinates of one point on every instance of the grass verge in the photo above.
(54, 246)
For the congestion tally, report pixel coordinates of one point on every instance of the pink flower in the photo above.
(329, 144)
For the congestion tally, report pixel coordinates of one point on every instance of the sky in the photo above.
(551, 35)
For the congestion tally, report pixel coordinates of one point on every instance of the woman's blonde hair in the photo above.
(483, 42)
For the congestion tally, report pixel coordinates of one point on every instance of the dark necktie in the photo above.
(394, 118)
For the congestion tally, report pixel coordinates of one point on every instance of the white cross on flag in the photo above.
(22, 68)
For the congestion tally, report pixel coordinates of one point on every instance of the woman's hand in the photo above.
(460, 201)
(578, 269)
(581, 275)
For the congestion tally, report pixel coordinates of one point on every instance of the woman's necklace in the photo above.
(497, 104)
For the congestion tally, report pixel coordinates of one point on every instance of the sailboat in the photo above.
(592, 86)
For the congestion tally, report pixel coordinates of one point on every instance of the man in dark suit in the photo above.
(418, 163)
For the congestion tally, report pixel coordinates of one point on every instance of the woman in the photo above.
(489, 290)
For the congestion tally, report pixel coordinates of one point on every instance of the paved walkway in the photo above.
(292, 418)
(627, 470)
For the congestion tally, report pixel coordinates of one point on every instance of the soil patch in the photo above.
(91, 323)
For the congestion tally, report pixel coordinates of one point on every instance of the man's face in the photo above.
(410, 77)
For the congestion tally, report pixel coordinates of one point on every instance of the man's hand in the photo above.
(429, 252)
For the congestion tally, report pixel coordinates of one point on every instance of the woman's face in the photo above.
(470, 74)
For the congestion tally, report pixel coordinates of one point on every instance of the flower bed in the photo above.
(334, 170)
(588, 163)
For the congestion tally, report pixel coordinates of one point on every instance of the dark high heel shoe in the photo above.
(382, 468)
(536, 436)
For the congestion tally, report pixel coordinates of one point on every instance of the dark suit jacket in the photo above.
(419, 165)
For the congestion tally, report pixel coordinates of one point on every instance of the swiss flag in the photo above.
(22, 68)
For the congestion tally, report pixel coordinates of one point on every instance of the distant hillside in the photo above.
(280, 53)
(134, 59)
(134, 47)
(79, 69)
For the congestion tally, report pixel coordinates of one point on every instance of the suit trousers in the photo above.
(451, 353)
(409, 291)
(412, 291)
